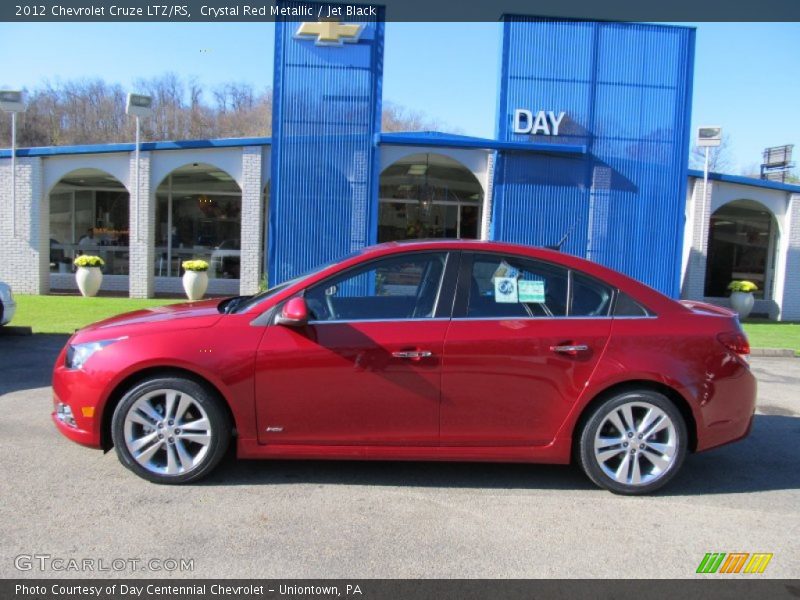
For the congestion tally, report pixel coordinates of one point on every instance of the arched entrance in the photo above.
(89, 214)
(198, 216)
(741, 246)
(428, 196)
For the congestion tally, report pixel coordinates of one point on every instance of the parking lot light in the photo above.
(139, 106)
(12, 101)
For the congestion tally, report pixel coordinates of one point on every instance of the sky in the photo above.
(746, 74)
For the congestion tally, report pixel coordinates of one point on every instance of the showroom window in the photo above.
(89, 214)
(425, 196)
(741, 246)
(198, 216)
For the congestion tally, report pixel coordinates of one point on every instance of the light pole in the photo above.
(707, 137)
(138, 106)
(12, 102)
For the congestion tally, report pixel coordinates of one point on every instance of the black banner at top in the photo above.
(397, 10)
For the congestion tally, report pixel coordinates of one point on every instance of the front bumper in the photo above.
(84, 394)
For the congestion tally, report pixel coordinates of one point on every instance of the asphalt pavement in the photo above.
(320, 519)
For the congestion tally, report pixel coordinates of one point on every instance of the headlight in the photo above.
(78, 354)
(5, 294)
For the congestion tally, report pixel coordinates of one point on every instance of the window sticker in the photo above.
(531, 291)
(505, 290)
(505, 270)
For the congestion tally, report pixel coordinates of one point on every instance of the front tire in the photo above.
(170, 430)
(633, 443)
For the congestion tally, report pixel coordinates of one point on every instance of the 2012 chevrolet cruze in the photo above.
(448, 350)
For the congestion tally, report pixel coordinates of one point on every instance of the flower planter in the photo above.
(195, 284)
(89, 280)
(742, 303)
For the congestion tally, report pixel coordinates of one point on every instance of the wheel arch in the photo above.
(137, 377)
(671, 393)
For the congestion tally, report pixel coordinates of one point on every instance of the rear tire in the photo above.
(633, 443)
(170, 430)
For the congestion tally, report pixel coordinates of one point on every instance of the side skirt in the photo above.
(556, 453)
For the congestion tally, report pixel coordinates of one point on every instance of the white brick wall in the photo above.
(142, 230)
(791, 287)
(252, 255)
(24, 252)
(694, 278)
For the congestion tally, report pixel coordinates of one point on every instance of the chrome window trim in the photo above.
(566, 318)
(350, 321)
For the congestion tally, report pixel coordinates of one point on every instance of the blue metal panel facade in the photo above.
(326, 115)
(626, 92)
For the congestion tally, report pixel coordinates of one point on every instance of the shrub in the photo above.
(194, 265)
(742, 286)
(84, 260)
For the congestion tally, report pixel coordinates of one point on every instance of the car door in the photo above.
(367, 367)
(524, 339)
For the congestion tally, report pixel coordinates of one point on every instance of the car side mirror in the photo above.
(294, 313)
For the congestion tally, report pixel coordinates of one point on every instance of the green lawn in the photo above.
(65, 314)
(768, 334)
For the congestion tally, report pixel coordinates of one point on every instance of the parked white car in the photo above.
(7, 304)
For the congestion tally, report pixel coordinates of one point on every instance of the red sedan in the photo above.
(449, 350)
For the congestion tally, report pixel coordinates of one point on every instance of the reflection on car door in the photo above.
(367, 368)
(517, 354)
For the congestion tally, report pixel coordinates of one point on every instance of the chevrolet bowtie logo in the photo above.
(329, 33)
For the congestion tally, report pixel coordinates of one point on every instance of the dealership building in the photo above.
(590, 152)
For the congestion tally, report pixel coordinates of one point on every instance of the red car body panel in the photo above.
(492, 389)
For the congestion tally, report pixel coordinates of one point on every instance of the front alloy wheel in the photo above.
(633, 443)
(170, 430)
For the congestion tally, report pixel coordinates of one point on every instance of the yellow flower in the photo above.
(742, 286)
(88, 261)
(194, 265)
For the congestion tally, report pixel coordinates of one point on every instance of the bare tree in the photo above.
(397, 118)
(92, 111)
(719, 157)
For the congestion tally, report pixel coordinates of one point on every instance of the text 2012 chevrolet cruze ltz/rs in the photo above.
(449, 350)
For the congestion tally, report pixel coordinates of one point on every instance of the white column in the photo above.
(141, 229)
(486, 211)
(694, 279)
(790, 301)
(24, 250)
(252, 215)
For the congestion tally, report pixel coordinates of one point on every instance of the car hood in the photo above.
(159, 319)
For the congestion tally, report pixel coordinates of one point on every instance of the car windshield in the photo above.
(243, 303)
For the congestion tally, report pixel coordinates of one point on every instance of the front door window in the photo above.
(402, 287)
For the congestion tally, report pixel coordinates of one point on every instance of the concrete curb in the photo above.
(15, 330)
(773, 352)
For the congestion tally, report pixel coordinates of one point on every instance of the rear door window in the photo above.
(509, 286)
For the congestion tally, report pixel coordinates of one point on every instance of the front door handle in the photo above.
(570, 349)
(412, 354)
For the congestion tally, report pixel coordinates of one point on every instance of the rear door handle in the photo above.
(412, 354)
(571, 349)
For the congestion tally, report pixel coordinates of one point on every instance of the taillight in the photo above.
(736, 342)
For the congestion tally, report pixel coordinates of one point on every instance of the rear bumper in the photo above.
(8, 312)
(728, 414)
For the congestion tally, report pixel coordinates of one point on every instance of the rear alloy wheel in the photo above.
(633, 443)
(170, 430)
